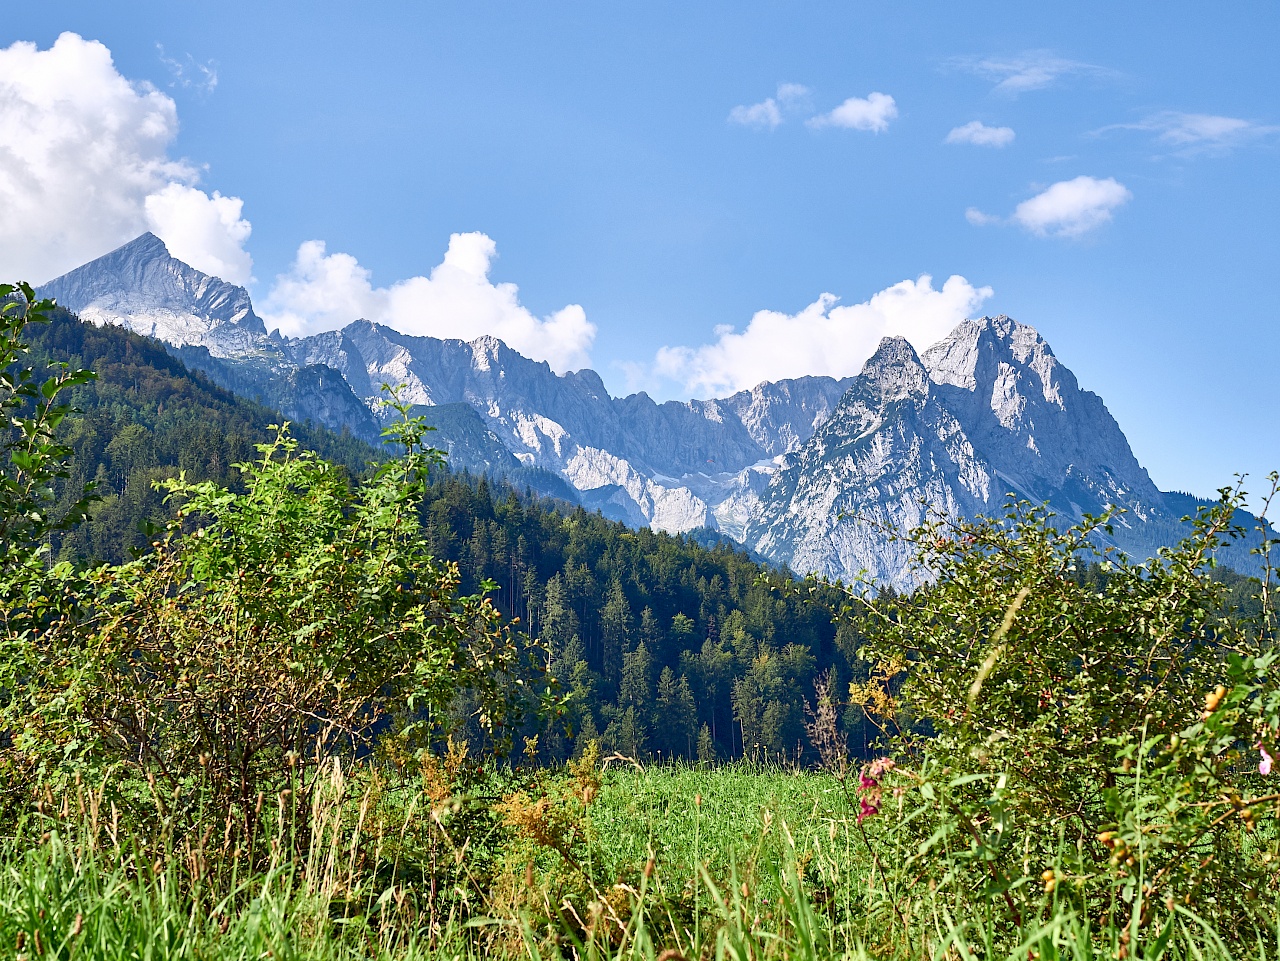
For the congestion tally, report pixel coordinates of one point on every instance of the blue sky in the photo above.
(1123, 196)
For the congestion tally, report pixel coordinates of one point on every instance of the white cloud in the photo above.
(763, 114)
(793, 96)
(979, 219)
(769, 113)
(980, 135)
(1031, 70)
(1070, 208)
(204, 231)
(872, 112)
(84, 167)
(1199, 132)
(324, 291)
(824, 338)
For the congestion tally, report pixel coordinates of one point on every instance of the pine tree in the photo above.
(627, 734)
(615, 633)
(636, 687)
(649, 632)
(586, 735)
(676, 716)
(706, 746)
(685, 712)
(559, 623)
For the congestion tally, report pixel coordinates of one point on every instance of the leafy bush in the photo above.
(1089, 735)
(268, 633)
(32, 462)
(31, 458)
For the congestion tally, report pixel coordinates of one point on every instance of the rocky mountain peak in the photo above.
(993, 352)
(141, 286)
(146, 246)
(895, 372)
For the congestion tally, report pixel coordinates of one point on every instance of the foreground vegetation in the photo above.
(286, 729)
(736, 862)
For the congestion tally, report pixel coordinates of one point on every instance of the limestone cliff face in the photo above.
(987, 413)
(1026, 412)
(211, 325)
(675, 466)
(814, 472)
(888, 452)
(141, 287)
(667, 465)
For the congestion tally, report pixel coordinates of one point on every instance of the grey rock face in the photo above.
(987, 413)
(1026, 412)
(211, 325)
(141, 287)
(814, 472)
(888, 452)
(677, 466)
(669, 465)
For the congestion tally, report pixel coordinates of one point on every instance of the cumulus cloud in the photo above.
(84, 167)
(980, 135)
(1068, 208)
(769, 113)
(1199, 132)
(872, 112)
(323, 291)
(1031, 70)
(824, 338)
(204, 231)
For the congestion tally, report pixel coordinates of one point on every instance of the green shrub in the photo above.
(267, 635)
(1065, 737)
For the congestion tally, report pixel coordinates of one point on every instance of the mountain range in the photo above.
(811, 472)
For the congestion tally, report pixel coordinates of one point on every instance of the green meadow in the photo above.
(678, 862)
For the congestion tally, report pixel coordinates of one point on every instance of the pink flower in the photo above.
(1264, 766)
(869, 786)
(880, 766)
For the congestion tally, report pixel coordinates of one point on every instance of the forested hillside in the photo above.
(146, 417)
(664, 645)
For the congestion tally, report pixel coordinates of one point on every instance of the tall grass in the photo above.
(729, 864)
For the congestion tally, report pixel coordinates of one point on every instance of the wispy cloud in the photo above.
(872, 112)
(772, 111)
(980, 135)
(1030, 70)
(979, 219)
(1069, 208)
(1198, 132)
(189, 74)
